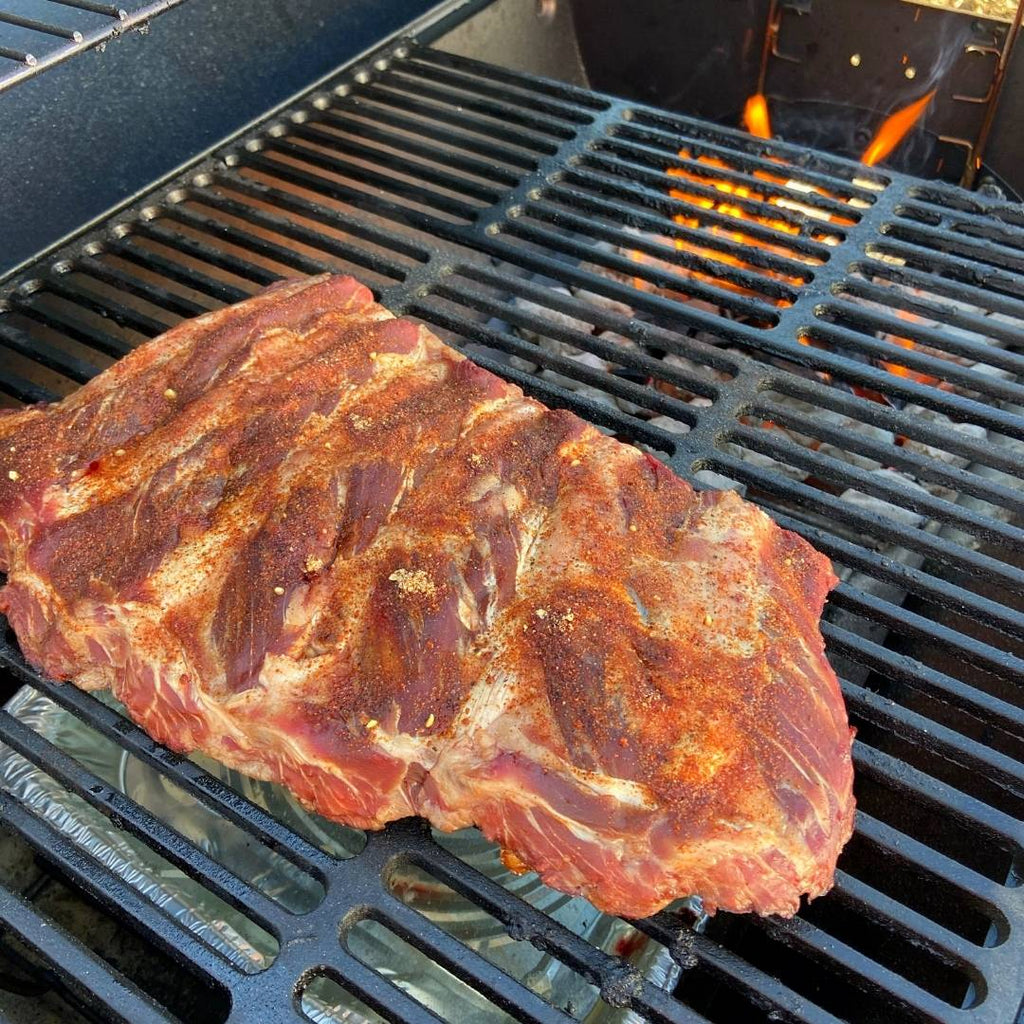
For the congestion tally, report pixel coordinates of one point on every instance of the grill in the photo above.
(42, 33)
(854, 325)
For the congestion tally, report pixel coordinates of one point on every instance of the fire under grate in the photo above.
(840, 343)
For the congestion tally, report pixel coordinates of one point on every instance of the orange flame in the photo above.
(895, 127)
(895, 339)
(710, 184)
(755, 116)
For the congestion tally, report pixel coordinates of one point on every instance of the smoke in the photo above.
(953, 35)
(847, 127)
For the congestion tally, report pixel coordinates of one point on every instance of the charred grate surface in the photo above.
(844, 345)
(37, 34)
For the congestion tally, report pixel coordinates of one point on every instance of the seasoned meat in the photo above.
(312, 541)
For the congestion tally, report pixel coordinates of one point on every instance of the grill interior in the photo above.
(847, 354)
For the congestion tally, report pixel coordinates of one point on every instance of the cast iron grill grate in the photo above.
(841, 343)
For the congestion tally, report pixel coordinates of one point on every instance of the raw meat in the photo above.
(314, 542)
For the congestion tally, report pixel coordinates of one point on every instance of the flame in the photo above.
(755, 116)
(732, 202)
(736, 211)
(894, 128)
(895, 339)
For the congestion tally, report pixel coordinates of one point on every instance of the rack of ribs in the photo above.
(316, 543)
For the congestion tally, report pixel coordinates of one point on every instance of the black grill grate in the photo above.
(857, 372)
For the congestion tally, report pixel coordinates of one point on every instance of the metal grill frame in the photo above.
(357, 889)
(120, 19)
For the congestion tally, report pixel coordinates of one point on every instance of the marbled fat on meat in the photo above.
(314, 542)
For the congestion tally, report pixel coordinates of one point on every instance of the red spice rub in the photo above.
(314, 542)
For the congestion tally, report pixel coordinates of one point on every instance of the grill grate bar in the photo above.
(853, 313)
(376, 991)
(64, 323)
(871, 523)
(944, 594)
(148, 259)
(467, 966)
(919, 466)
(175, 304)
(1001, 769)
(245, 240)
(627, 191)
(898, 422)
(987, 249)
(836, 336)
(553, 241)
(899, 668)
(367, 202)
(121, 315)
(985, 326)
(574, 277)
(981, 261)
(956, 266)
(361, 115)
(94, 982)
(763, 990)
(597, 378)
(182, 772)
(958, 290)
(335, 247)
(404, 163)
(843, 170)
(25, 391)
(21, 56)
(598, 163)
(95, 7)
(826, 467)
(766, 286)
(431, 58)
(634, 359)
(984, 894)
(992, 825)
(115, 895)
(615, 978)
(634, 153)
(763, 170)
(79, 370)
(205, 252)
(657, 226)
(43, 27)
(909, 623)
(954, 200)
(650, 335)
(557, 128)
(884, 382)
(948, 947)
(505, 93)
(849, 963)
(374, 132)
(530, 143)
(385, 182)
(256, 190)
(138, 821)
